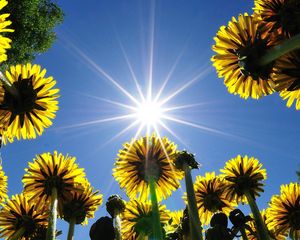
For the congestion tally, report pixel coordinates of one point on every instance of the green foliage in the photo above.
(33, 22)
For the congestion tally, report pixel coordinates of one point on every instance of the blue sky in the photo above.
(95, 34)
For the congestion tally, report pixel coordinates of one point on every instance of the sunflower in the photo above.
(210, 196)
(29, 103)
(137, 219)
(252, 235)
(243, 175)
(50, 171)
(283, 215)
(239, 47)
(4, 41)
(148, 157)
(22, 216)
(279, 16)
(3, 186)
(286, 77)
(174, 221)
(80, 205)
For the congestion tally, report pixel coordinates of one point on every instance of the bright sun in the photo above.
(149, 113)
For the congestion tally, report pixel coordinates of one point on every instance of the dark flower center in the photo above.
(150, 165)
(74, 209)
(293, 72)
(144, 224)
(212, 202)
(249, 56)
(26, 222)
(53, 182)
(25, 99)
(243, 184)
(289, 17)
(295, 219)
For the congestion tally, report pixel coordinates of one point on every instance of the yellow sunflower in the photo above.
(283, 215)
(80, 205)
(211, 196)
(148, 157)
(22, 216)
(243, 175)
(4, 41)
(286, 77)
(252, 235)
(3, 186)
(137, 219)
(239, 47)
(279, 16)
(29, 103)
(174, 221)
(50, 171)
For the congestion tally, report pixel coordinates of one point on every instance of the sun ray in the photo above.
(162, 88)
(171, 132)
(208, 129)
(188, 84)
(151, 50)
(89, 123)
(169, 109)
(100, 71)
(138, 87)
(108, 101)
(136, 122)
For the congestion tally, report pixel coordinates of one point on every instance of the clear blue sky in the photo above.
(184, 30)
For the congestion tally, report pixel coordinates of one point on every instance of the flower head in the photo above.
(174, 222)
(243, 175)
(286, 77)
(80, 205)
(3, 186)
(21, 213)
(252, 232)
(279, 16)
(50, 171)
(137, 219)
(210, 196)
(29, 103)
(115, 205)
(148, 157)
(283, 215)
(239, 47)
(4, 41)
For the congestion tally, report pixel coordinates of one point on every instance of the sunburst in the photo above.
(147, 109)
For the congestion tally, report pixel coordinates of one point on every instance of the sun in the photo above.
(147, 109)
(149, 113)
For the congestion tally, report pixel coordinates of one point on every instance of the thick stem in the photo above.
(195, 224)
(281, 49)
(117, 225)
(18, 234)
(260, 225)
(51, 231)
(71, 228)
(157, 230)
(243, 232)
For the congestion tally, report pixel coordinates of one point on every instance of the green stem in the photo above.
(243, 232)
(51, 231)
(281, 49)
(195, 224)
(18, 234)
(71, 228)
(117, 225)
(260, 225)
(157, 230)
